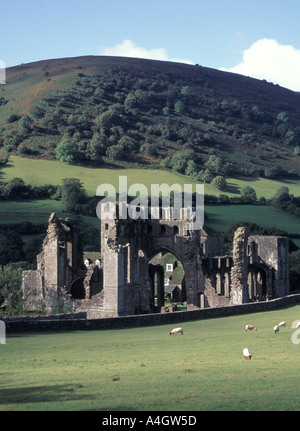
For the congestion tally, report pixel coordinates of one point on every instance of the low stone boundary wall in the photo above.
(48, 323)
(80, 315)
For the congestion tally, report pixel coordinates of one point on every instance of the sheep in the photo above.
(298, 325)
(246, 353)
(176, 331)
(281, 324)
(276, 329)
(250, 328)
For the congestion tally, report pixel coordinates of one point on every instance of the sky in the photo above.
(258, 38)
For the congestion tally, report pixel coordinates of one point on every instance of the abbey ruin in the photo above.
(122, 281)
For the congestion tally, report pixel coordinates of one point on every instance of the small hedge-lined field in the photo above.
(145, 368)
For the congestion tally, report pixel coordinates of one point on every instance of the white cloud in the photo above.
(128, 48)
(268, 59)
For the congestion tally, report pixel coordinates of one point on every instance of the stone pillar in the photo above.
(239, 290)
(227, 284)
(119, 299)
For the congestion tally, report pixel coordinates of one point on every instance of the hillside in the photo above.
(113, 111)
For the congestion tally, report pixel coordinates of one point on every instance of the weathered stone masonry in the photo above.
(121, 282)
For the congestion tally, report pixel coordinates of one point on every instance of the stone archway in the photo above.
(127, 247)
(169, 276)
(257, 282)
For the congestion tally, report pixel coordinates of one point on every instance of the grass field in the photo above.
(144, 369)
(220, 217)
(39, 172)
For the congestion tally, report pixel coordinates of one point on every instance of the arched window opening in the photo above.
(168, 282)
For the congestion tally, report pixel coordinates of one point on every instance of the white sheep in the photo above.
(246, 353)
(176, 331)
(276, 329)
(250, 328)
(298, 325)
(281, 324)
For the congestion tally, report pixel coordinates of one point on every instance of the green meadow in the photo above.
(145, 368)
(219, 217)
(38, 172)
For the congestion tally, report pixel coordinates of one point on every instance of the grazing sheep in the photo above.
(281, 324)
(176, 331)
(246, 353)
(250, 328)
(276, 329)
(298, 325)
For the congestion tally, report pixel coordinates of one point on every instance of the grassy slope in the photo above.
(147, 369)
(38, 172)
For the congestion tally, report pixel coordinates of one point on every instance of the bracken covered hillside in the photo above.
(120, 111)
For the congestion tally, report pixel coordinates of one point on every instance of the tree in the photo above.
(115, 152)
(24, 124)
(10, 288)
(283, 117)
(13, 117)
(180, 160)
(130, 103)
(72, 193)
(10, 144)
(219, 183)
(205, 176)
(191, 169)
(185, 91)
(148, 149)
(214, 164)
(67, 152)
(179, 107)
(98, 145)
(248, 195)
(4, 157)
(126, 143)
(11, 246)
(15, 189)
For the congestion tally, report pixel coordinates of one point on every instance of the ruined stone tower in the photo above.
(127, 247)
(59, 265)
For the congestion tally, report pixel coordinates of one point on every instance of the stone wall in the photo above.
(40, 325)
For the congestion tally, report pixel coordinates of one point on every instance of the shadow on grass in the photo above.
(233, 188)
(40, 394)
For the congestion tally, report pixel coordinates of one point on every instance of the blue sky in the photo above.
(260, 38)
